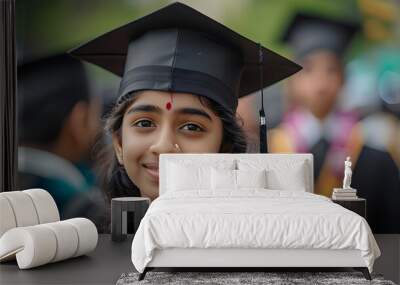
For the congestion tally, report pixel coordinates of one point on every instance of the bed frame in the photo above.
(248, 259)
(261, 259)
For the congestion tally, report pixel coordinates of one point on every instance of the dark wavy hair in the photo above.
(115, 180)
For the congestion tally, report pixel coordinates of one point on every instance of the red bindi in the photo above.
(169, 104)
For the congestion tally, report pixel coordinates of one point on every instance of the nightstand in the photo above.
(119, 215)
(357, 205)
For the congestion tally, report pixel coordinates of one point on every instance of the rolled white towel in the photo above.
(40, 244)
(87, 235)
(7, 218)
(45, 205)
(66, 238)
(33, 246)
(23, 208)
(26, 208)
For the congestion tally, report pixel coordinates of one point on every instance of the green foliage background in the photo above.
(50, 26)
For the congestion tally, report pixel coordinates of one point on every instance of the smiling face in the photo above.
(149, 128)
(317, 86)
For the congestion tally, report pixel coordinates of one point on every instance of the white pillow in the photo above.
(294, 180)
(281, 174)
(223, 179)
(227, 179)
(182, 177)
(251, 178)
(185, 175)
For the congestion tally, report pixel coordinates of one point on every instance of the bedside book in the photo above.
(341, 190)
(344, 196)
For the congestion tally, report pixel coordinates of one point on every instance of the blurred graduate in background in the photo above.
(58, 122)
(373, 89)
(314, 123)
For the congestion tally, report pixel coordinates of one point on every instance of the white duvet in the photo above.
(253, 218)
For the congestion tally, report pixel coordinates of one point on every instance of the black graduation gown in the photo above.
(377, 179)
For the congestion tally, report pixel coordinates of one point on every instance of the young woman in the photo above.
(142, 128)
(182, 74)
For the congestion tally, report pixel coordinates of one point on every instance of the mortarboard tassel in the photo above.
(263, 122)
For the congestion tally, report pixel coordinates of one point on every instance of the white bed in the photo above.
(202, 225)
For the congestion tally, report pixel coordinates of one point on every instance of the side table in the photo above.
(119, 208)
(357, 205)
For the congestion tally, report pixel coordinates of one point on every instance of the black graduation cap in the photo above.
(179, 49)
(307, 33)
